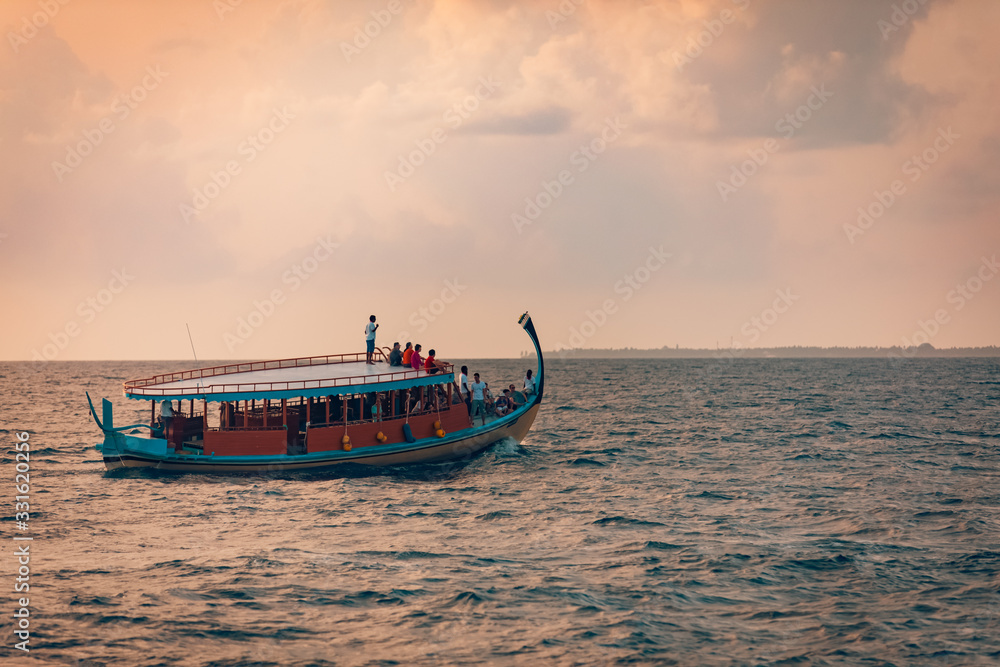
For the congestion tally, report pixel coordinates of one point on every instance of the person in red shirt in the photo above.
(416, 361)
(431, 364)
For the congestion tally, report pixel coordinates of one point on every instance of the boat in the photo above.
(304, 414)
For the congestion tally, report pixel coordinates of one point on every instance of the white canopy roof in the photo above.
(310, 376)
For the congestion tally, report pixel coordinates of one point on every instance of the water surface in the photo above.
(696, 512)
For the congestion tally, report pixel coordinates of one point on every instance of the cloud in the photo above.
(559, 81)
(760, 70)
(547, 121)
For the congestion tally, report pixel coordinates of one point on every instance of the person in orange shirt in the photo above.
(407, 353)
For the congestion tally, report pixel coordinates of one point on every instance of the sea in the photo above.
(660, 512)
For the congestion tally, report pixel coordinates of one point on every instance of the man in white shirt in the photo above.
(370, 339)
(478, 405)
(166, 416)
(463, 389)
(529, 384)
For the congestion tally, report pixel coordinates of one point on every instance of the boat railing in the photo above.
(279, 427)
(146, 385)
(247, 367)
(147, 388)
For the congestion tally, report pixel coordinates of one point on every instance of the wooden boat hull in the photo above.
(122, 450)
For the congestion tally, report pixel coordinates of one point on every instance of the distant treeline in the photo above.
(793, 352)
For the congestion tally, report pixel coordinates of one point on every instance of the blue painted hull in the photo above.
(122, 450)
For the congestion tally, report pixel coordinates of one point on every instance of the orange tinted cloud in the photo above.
(208, 151)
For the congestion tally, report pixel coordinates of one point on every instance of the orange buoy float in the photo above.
(437, 426)
(346, 442)
(440, 433)
(380, 436)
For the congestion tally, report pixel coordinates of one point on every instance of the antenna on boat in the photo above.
(192, 342)
(195, 358)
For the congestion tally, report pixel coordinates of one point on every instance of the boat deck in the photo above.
(339, 374)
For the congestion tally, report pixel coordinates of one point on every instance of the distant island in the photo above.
(793, 352)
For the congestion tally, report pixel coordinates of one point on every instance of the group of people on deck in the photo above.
(413, 402)
(410, 358)
(478, 398)
(480, 402)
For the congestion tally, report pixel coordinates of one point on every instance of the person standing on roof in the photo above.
(370, 330)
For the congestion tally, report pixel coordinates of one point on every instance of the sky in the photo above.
(701, 173)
